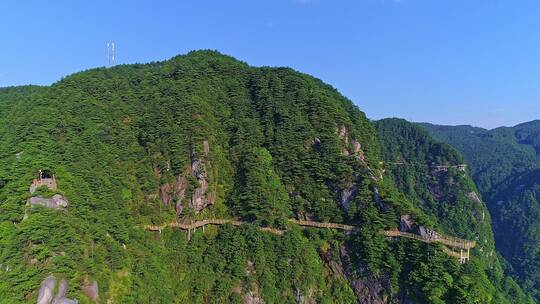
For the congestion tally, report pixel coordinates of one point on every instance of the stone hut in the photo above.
(44, 178)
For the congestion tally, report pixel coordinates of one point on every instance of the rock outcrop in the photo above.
(199, 197)
(406, 223)
(428, 233)
(91, 291)
(252, 298)
(46, 292)
(348, 194)
(369, 290)
(176, 192)
(358, 153)
(55, 202)
(474, 197)
(343, 134)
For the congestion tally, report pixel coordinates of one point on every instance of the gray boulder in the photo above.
(46, 292)
(55, 202)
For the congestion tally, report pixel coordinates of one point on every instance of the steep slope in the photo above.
(504, 162)
(494, 155)
(431, 175)
(205, 136)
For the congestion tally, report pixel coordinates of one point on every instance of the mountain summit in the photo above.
(265, 185)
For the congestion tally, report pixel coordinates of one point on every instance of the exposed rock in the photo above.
(55, 202)
(315, 143)
(206, 148)
(174, 193)
(357, 151)
(380, 203)
(428, 233)
(46, 291)
(91, 291)
(406, 223)
(368, 290)
(66, 301)
(474, 197)
(343, 134)
(336, 267)
(347, 195)
(251, 298)
(61, 294)
(199, 198)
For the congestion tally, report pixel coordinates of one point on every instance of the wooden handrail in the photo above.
(437, 238)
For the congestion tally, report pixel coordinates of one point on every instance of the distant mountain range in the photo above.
(505, 164)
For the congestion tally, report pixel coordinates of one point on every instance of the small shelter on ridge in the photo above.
(44, 178)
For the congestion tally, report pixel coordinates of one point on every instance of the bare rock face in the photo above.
(343, 134)
(46, 291)
(347, 195)
(66, 301)
(357, 151)
(91, 291)
(251, 298)
(313, 143)
(380, 203)
(474, 197)
(206, 147)
(336, 267)
(368, 290)
(428, 233)
(174, 192)
(406, 223)
(62, 290)
(200, 198)
(55, 202)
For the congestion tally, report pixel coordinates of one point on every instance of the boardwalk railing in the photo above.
(436, 238)
(445, 240)
(463, 245)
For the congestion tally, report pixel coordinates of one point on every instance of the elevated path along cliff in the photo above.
(436, 238)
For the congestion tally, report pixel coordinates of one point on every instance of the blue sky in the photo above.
(443, 61)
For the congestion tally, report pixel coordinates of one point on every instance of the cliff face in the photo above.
(206, 136)
(504, 164)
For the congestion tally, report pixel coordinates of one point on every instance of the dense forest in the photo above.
(206, 136)
(505, 164)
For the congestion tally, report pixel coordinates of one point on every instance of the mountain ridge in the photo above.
(205, 136)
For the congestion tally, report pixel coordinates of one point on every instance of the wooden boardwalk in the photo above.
(463, 245)
(445, 240)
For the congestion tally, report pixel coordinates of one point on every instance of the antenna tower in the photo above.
(111, 52)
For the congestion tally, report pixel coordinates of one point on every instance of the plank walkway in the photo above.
(438, 238)
(445, 240)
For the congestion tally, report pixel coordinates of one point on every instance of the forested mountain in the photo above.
(86, 163)
(505, 164)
